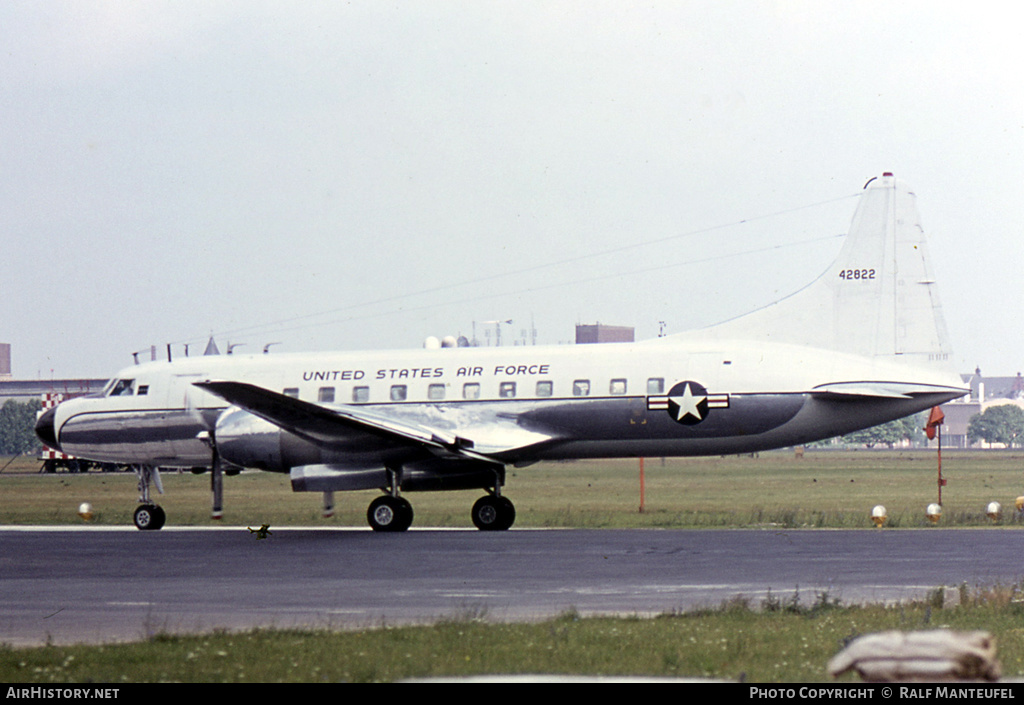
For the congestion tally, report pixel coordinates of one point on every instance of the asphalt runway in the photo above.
(95, 584)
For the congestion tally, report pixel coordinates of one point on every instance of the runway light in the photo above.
(85, 511)
(994, 511)
(878, 515)
(934, 512)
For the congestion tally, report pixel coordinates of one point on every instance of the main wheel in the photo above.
(389, 513)
(492, 513)
(149, 517)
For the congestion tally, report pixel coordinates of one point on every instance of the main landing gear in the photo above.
(390, 512)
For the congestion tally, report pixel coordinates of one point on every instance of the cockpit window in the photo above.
(123, 388)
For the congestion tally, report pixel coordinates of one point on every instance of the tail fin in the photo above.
(878, 299)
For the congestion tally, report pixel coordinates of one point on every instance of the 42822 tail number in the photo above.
(856, 274)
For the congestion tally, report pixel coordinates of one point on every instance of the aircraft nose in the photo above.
(46, 430)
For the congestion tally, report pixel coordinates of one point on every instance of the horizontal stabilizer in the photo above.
(884, 390)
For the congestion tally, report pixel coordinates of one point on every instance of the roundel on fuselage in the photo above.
(688, 403)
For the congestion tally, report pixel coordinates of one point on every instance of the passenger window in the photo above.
(545, 388)
(399, 392)
(581, 388)
(618, 386)
(471, 390)
(143, 389)
(326, 395)
(507, 390)
(656, 385)
(292, 392)
(360, 394)
(435, 392)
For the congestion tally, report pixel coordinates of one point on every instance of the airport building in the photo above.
(600, 333)
(28, 390)
(985, 392)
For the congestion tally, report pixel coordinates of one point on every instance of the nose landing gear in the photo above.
(148, 516)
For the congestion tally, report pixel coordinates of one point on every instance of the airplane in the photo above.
(862, 344)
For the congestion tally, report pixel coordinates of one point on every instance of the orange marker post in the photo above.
(934, 430)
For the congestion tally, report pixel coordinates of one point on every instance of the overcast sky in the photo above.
(344, 175)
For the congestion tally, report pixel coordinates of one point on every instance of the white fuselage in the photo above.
(595, 400)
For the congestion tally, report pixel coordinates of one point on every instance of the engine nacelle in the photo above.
(248, 441)
(437, 474)
(419, 476)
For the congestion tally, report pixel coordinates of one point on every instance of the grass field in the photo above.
(769, 642)
(835, 489)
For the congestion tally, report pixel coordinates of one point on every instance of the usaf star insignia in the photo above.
(688, 402)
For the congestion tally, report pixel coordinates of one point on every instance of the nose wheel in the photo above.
(149, 517)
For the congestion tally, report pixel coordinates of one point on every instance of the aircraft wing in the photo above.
(487, 437)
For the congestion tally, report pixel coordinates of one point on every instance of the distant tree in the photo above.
(997, 424)
(17, 427)
(888, 434)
